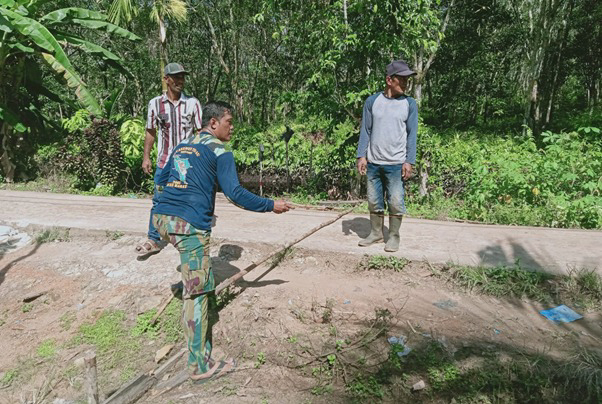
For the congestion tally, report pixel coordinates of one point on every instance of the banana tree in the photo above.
(161, 11)
(30, 36)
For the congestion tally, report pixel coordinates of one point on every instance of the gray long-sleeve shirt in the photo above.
(389, 130)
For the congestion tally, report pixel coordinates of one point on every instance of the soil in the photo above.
(310, 299)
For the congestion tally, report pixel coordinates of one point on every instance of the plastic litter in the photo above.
(401, 340)
(421, 385)
(561, 314)
(347, 302)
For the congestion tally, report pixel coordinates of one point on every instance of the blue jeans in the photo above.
(153, 234)
(385, 179)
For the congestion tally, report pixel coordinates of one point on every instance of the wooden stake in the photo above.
(255, 264)
(161, 309)
(91, 377)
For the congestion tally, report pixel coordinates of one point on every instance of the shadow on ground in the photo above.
(8, 266)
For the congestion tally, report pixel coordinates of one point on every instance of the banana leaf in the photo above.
(108, 27)
(73, 81)
(58, 16)
(12, 119)
(55, 57)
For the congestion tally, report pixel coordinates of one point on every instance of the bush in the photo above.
(92, 152)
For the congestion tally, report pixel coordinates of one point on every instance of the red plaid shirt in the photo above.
(174, 121)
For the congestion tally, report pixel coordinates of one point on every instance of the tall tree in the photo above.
(161, 12)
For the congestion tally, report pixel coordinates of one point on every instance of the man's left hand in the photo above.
(406, 171)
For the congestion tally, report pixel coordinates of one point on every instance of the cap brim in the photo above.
(404, 73)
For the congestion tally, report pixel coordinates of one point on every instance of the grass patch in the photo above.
(171, 322)
(502, 281)
(8, 377)
(47, 349)
(382, 263)
(282, 256)
(144, 327)
(114, 235)
(475, 375)
(110, 336)
(53, 234)
(581, 288)
(67, 320)
(27, 307)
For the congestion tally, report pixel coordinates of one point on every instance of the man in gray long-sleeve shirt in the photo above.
(386, 152)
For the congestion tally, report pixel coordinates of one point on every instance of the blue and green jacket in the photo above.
(190, 178)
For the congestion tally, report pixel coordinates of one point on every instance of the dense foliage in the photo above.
(509, 95)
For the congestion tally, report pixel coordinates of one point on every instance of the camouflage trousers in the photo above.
(198, 286)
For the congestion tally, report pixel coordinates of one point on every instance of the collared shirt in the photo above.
(174, 121)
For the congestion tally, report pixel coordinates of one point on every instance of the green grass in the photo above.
(581, 288)
(8, 377)
(67, 320)
(114, 235)
(144, 327)
(27, 307)
(478, 375)
(502, 281)
(47, 349)
(382, 263)
(110, 336)
(53, 234)
(171, 322)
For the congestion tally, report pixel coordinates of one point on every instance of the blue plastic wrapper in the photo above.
(561, 314)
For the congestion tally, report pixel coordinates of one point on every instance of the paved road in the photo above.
(544, 249)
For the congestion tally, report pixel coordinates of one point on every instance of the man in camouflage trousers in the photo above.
(183, 218)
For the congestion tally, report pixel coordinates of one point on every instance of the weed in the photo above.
(260, 360)
(111, 338)
(73, 376)
(292, 339)
(365, 388)
(127, 373)
(171, 321)
(53, 234)
(440, 376)
(27, 307)
(114, 235)
(321, 390)
(47, 349)
(227, 295)
(143, 325)
(282, 256)
(583, 287)
(67, 320)
(8, 377)
(327, 313)
(382, 263)
(585, 369)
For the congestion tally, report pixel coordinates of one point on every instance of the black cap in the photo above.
(399, 68)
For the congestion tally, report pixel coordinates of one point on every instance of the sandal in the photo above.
(148, 248)
(218, 370)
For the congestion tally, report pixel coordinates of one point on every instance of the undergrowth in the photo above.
(582, 288)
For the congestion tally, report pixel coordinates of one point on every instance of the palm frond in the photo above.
(176, 10)
(122, 11)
